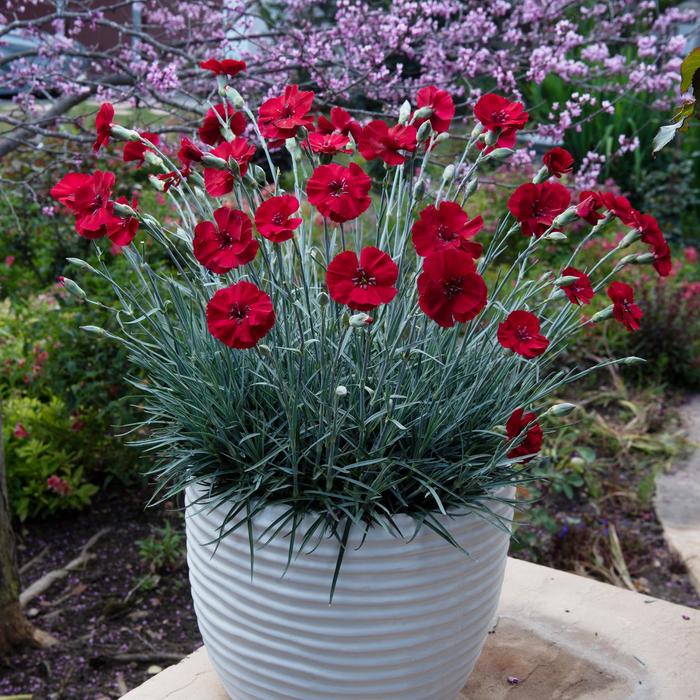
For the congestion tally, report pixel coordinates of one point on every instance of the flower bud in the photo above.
(404, 112)
(360, 320)
(448, 173)
(259, 175)
(541, 175)
(644, 258)
(302, 134)
(424, 131)
(94, 329)
(561, 409)
(234, 97)
(424, 113)
(123, 210)
(603, 315)
(441, 137)
(577, 462)
(211, 161)
(555, 236)
(323, 299)
(341, 391)
(419, 189)
(490, 138)
(476, 131)
(471, 187)
(293, 147)
(158, 184)
(499, 154)
(73, 289)
(221, 83)
(119, 132)
(566, 217)
(566, 279)
(629, 239)
(81, 263)
(153, 159)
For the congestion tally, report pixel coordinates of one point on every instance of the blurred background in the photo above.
(596, 78)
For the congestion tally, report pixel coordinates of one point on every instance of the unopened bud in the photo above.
(119, 132)
(644, 258)
(541, 176)
(632, 237)
(441, 137)
(566, 217)
(123, 210)
(555, 236)
(566, 279)
(499, 154)
(577, 462)
(211, 161)
(94, 329)
(471, 187)
(603, 315)
(404, 112)
(424, 113)
(341, 391)
(424, 131)
(158, 184)
(476, 131)
(419, 189)
(153, 159)
(81, 263)
(323, 299)
(360, 320)
(234, 97)
(448, 173)
(302, 133)
(561, 409)
(259, 175)
(73, 289)
(490, 138)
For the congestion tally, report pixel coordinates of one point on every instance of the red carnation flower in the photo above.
(446, 226)
(329, 144)
(652, 236)
(442, 105)
(531, 442)
(280, 117)
(20, 431)
(211, 130)
(189, 152)
(87, 196)
(536, 206)
(558, 161)
(240, 315)
(136, 151)
(103, 126)
(580, 291)
(171, 179)
(449, 288)
(339, 193)
(620, 207)
(624, 309)
(498, 114)
(365, 284)
(520, 332)
(226, 245)
(588, 204)
(274, 218)
(121, 230)
(228, 66)
(378, 140)
(342, 122)
(220, 182)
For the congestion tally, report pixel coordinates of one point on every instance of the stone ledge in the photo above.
(558, 636)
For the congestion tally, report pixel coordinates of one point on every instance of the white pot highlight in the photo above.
(407, 621)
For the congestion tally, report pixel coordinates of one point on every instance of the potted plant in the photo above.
(344, 379)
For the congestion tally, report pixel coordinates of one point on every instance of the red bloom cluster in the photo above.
(558, 161)
(442, 105)
(275, 219)
(58, 485)
(501, 116)
(339, 193)
(340, 122)
(135, 151)
(211, 131)
(588, 205)
(228, 66)
(580, 291)
(536, 206)
(520, 332)
(450, 290)
(531, 443)
(89, 198)
(280, 117)
(240, 315)
(446, 226)
(362, 284)
(328, 144)
(226, 245)
(378, 140)
(624, 308)
(220, 182)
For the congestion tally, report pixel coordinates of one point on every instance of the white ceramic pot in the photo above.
(408, 619)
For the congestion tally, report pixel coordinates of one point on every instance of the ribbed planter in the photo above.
(408, 618)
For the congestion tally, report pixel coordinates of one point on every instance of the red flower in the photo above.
(442, 105)
(226, 245)
(446, 226)
(651, 234)
(498, 114)
(520, 332)
(620, 207)
(220, 182)
(531, 443)
(121, 230)
(624, 309)
(210, 131)
(103, 126)
(87, 197)
(328, 143)
(339, 193)
(342, 122)
(558, 161)
(135, 150)
(579, 292)
(377, 140)
(58, 485)
(171, 179)
(189, 152)
(229, 66)
(240, 315)
(588, 204)
(536, 206)
(449, 288)
(280, 117)
(274, 218)
(365, 284)
(20, 431)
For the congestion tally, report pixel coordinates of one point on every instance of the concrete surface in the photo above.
(677, 499)
(558, 637)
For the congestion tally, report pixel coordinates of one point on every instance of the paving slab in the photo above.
(558, 637)
(677, 498)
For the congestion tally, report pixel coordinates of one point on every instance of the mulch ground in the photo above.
(114, 634)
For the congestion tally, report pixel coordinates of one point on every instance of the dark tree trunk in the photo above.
(15, 629)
